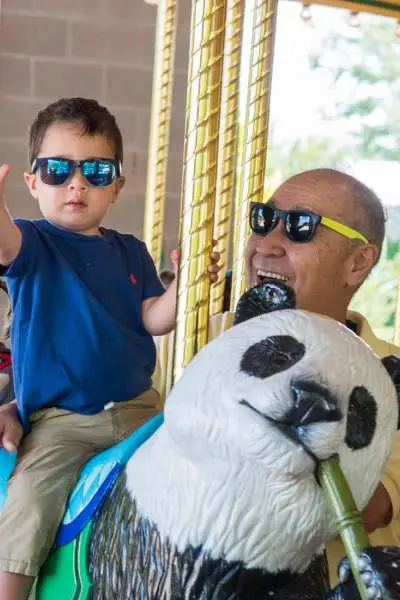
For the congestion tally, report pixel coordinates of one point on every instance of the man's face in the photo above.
(76, 205)
(318, 271)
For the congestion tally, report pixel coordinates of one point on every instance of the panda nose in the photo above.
(313, 403)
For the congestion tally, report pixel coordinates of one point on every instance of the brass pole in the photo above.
(260, 18)
(227, 144)
(159, 128)
(397, 319)
(199, 178)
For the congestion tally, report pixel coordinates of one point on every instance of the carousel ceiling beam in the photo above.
(384, 8)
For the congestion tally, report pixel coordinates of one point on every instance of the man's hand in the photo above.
(10, 427)
(378, 512)
(213, 268)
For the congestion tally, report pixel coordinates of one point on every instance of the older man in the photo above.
(325, 264)
(322, 233)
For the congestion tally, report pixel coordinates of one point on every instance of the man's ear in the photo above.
(30, 180)
(361, 262)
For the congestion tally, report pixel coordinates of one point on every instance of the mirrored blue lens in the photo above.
(99, 172)
(54, 171)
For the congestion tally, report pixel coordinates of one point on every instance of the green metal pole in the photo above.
(348, 519)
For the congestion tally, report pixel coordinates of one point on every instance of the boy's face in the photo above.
(76, 205)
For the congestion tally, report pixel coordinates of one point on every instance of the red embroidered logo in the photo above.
(132, 278)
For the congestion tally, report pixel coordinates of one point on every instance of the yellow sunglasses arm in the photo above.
(348, 232)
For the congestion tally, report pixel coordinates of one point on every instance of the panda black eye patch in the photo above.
(271, 355)
(361, 419)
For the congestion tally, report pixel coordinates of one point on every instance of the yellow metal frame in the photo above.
(159, 128)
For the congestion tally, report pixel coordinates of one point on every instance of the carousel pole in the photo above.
(159, 128)
(227, 144)
(199, 178)
(256, 75)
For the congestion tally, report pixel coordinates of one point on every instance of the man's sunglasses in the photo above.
(299, 225)
(99, 172)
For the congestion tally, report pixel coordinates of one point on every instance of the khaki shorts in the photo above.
(48, 464)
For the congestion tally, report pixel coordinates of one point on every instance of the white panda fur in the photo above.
(219, 476)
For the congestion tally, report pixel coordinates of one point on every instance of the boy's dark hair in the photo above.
(89, 114)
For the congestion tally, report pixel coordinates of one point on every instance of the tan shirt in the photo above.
(388, 536)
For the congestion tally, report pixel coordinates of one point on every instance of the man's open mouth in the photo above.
(264, 275)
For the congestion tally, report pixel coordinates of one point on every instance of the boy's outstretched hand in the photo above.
(4, 171)
(10, 235)
(213, 268)
(10, 427)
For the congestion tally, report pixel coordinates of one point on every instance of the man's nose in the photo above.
(272, 244)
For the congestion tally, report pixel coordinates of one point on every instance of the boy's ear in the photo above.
(120, 183)
(30, 180)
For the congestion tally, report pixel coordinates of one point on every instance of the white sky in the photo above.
(299, 94)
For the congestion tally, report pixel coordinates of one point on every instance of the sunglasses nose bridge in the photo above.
(76, 178)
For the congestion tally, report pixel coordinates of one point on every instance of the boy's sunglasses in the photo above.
(299, 225)
(99, 172)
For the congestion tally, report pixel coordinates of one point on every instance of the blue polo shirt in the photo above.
(77, 337)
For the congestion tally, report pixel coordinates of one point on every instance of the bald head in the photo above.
(360, 206)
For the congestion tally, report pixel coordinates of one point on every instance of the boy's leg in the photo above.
(129, 416)
(49, 461)
(15, 587)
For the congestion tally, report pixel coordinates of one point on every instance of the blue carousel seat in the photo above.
(95, 479)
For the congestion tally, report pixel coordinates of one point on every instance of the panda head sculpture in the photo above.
(233, 469)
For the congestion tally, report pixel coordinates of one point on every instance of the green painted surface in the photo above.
(65, 575)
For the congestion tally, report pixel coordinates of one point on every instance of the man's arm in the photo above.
(10, 235)
(384, 505)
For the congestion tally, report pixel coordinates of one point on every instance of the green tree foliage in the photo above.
(287, 159)
(364, 68)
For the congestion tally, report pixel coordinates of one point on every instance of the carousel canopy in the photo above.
(389, 8)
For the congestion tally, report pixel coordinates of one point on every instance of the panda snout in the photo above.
(313, 403)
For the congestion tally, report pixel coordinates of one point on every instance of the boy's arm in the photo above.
(10, 235)
(158, 314)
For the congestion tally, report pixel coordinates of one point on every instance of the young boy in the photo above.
(86, 302)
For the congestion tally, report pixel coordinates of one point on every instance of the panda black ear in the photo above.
(392, 366)
(264, 298)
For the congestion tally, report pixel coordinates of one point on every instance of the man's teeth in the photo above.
(271, 275)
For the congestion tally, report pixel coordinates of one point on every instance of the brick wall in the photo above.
(95, 48)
